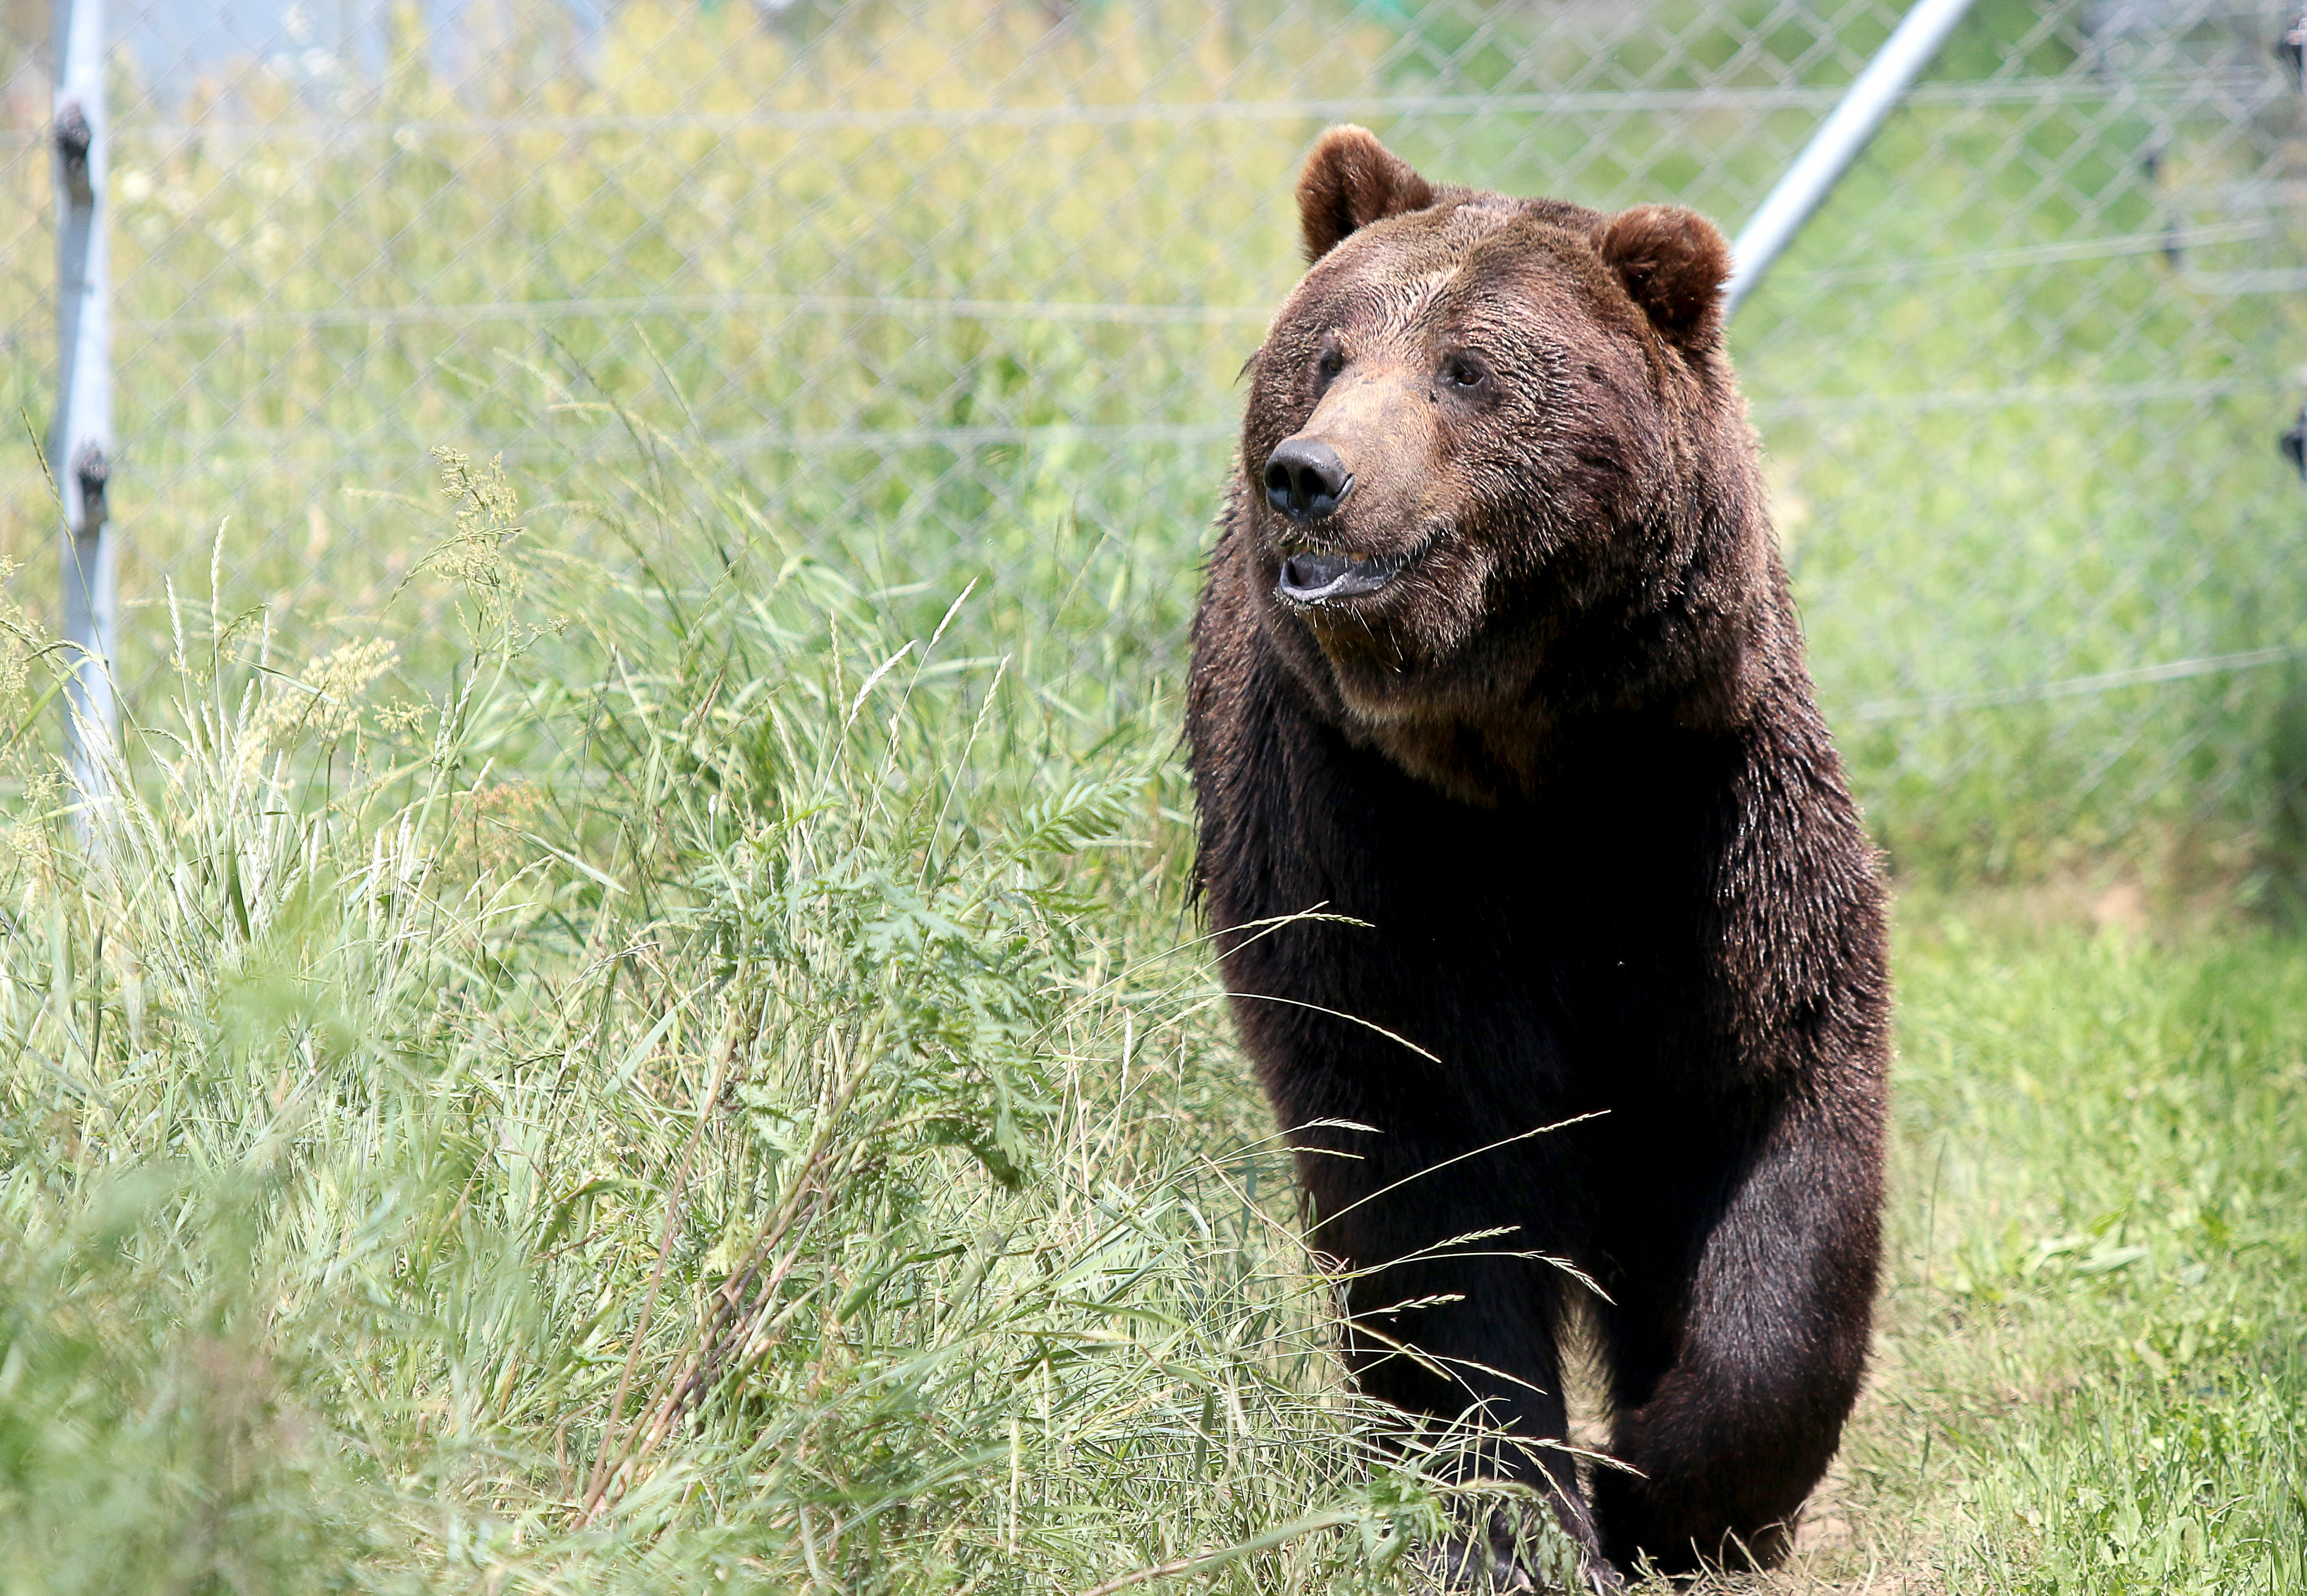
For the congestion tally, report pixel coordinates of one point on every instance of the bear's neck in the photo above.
(1502, 761)
(1499, 754)
(1489, 765)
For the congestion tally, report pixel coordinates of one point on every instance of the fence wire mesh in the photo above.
(963, 288)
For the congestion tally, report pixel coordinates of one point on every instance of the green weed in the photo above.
(1002, 342)
(2091, 1368)
(663, 1107)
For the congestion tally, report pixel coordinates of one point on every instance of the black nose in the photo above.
(1305, 480)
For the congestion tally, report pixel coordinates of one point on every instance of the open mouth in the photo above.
(1311, 578)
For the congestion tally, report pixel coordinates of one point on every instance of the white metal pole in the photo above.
(1837, 143)
(80, 444)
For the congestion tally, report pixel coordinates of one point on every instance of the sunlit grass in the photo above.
(882, 264)
(649, 1034)
(709, 1090)
(2091, 1371)
(713, 1088)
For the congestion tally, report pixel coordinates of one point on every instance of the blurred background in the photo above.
(962, 288)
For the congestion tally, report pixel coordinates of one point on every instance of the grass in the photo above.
(882, 262)
(656, 1040)
(667, 1106)
(713, 1090)
(2091, 1369)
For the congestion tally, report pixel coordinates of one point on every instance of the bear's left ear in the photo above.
(1673, 263)
(1351, 181)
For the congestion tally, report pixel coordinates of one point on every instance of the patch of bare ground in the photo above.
(2170, 901)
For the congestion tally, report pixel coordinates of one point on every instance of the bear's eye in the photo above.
(1464, 373)
(1332, 361)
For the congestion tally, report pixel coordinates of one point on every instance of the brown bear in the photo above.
(1516, 809)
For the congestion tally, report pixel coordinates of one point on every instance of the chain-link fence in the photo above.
(963, 288)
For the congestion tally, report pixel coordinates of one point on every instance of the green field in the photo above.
(962, 290)
(640, 1027)
(714, 1089)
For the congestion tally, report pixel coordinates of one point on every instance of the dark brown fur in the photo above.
(1567, 767)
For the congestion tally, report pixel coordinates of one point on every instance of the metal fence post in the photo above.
(2291, 49)
(80, 443)
(1837, 143)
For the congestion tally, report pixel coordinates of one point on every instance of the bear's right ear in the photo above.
(1351, 181)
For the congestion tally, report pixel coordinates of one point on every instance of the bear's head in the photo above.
(1497, 472)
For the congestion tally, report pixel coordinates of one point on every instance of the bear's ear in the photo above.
(1673, 263)
(1351, 181)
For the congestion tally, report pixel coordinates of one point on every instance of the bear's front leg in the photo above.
(1732, 1375)
(1471, 1338)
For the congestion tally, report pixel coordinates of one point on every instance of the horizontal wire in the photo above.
(244, 447)
(259, 449)
(1943, 95)
(2039, 254)
(2275, 279)
(2176, 670)
(2075, 394)
(1101, 313)
(674, 304)
(269, 448)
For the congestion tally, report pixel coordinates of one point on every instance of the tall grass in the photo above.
(655, 1039)
(701, 1091)
(962, 290)
(709, 1088)
(2091, 1374)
